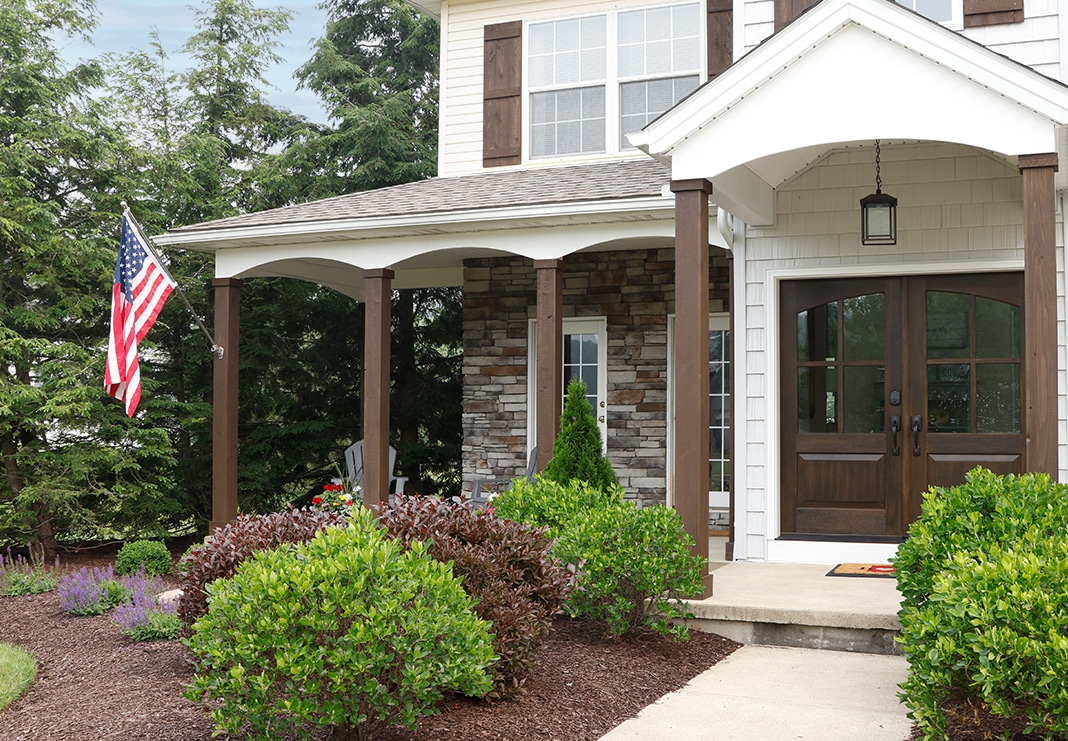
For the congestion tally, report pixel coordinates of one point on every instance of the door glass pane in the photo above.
(862, 408)
(997, 329)
(949, 398)
(947, 325)
(863, 326)
(719, 407)
(817, 399)
(817, 333)
(580, 363)
(997, 395)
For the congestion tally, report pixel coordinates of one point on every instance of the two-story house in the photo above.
(665, 200)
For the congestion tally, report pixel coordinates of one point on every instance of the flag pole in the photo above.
(216, 349)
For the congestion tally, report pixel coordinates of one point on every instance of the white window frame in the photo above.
(956, 11)
(591, 325)
(716, 322)
(611, 82)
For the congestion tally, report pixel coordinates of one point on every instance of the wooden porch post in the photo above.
(1040, 312)
(224, 403)
(691, 361)
(378, 290)
(550, 365)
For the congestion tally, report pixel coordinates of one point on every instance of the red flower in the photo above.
(317, 500)
(348, 503)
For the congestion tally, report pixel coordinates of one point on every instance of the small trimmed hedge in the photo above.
(549, 504)
(350, 632)
(984, 579)
(220, 555)
(150, 556)
(505, 566)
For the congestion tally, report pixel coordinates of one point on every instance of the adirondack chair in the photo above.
(479, 497)
(354, 469)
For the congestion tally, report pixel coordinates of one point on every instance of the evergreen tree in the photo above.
(577, 449)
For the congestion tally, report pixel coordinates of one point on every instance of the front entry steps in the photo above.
(798, 605)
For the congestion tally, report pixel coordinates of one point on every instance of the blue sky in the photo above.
(123, 25)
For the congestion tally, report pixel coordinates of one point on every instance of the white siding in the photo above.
(461, 95)
(1035, 42)
(959, 211)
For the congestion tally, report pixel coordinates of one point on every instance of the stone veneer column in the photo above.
(691, 362)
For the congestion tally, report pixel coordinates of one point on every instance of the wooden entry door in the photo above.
(891, 385)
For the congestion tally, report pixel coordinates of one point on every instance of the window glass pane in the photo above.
(684, 20)
(541, 38)
(594, 32)
(661, 94)
(658, 24)
(573, 348)
(589, 348)
(568, 35)
(567, 52)
(817, 399)
(641, 102)
(568, 68)
(658, 58)
(631, 27)
(862, 408)
(937, 10)
(997, 397)
(541, 70)
(997, 329)
(589, 375)
(576, 118)
(685, 54)
(949, 397)
(542, 140)
(817, 333)
(863, 327)
(947, 325)
(593, 65)
(719, 410)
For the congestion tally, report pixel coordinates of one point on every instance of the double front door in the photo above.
(891, 385)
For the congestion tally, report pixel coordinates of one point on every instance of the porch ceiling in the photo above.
(843, 74)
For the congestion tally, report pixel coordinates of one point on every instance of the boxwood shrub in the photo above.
(549, 504)
(150, 556)
(984, 579)
(505, 566)
(349, 632)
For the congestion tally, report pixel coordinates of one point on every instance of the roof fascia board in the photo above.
(816, 27)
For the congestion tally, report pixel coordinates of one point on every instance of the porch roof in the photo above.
(844, 73)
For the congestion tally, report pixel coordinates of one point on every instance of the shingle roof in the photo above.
(635, 178)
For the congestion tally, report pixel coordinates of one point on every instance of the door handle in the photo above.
(917, 425)
(895, 427)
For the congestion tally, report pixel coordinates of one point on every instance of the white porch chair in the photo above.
(478, 497)
(354, 469)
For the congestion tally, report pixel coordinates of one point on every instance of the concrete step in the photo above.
(798, 605)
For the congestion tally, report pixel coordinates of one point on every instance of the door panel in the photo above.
(891, 385)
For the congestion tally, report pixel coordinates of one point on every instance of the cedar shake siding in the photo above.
(634, 291)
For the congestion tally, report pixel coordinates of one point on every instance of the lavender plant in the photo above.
(20, 575)
(143, 618)
(92, 592)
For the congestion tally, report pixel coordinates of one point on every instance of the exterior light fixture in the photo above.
(878, 212)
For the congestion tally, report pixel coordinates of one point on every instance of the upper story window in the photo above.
(593, 80)
(941, 11)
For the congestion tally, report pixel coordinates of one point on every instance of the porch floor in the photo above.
(798, 605)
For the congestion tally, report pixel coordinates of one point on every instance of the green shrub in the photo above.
(547, 503)
(577, 451)
(219, 556)
(981, 515)
(993, 630)
(984, 579)
(349, 631)
(635, 567)
(506, 568)
(150, 555)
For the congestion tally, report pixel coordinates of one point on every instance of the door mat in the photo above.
(883, 570)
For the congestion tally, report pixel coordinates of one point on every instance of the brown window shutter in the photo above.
(502, 94)
(992, 12)
(720, 36)
(787, 10)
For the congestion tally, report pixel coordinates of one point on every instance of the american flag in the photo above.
(141, 287)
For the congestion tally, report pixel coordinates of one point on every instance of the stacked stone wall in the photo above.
(635, 291)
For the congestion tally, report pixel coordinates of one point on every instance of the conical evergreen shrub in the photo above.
(577, 449)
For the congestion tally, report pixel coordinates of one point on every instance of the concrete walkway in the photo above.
(770, 693)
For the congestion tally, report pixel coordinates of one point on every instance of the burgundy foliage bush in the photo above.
(505, 566)
(219, 556)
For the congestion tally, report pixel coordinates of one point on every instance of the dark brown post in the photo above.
(224, 403)
(1040, 312)
(691, 361)
(550, 348)
(378, 295)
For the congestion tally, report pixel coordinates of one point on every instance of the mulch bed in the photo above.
(94, 684)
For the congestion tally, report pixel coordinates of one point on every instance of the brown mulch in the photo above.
(94, 684)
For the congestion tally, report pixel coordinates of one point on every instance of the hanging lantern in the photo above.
(878, 212)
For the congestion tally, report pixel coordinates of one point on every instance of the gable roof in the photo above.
(848, 72)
